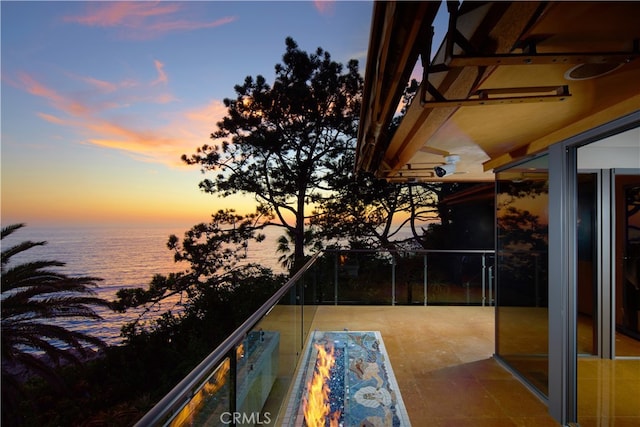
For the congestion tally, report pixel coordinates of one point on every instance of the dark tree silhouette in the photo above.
(372, 212)
(34, 295)
(281, 142)
(214, 252)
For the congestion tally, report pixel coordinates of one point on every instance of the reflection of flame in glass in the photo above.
(316, 403)
(215, 383)
(240, 351)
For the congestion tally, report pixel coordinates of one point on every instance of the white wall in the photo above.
(618, 151)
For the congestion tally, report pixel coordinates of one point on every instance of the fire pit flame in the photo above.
(317, 410)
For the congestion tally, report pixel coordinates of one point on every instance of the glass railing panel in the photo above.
(245, 380)
(268, 356)
(211, 402)
(306, 288)
(405, 278)
(321, 290)
(459, 278)
(409, 274)
(356, 277)
(266, 366)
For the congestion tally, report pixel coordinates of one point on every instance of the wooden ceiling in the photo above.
(510, 79)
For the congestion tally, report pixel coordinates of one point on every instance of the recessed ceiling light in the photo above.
(591, 71)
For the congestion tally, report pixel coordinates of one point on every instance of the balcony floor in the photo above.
(442, 360)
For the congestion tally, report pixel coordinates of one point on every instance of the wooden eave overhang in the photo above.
(499, 88)
(398, 30)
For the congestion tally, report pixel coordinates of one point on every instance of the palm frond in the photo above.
(36, 295)
(18, 249)
(10, 229)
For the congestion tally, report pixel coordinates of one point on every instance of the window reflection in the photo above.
(587, 295)
(627, 284)
(522, 269)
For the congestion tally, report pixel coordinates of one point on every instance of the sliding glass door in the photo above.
(522, 325)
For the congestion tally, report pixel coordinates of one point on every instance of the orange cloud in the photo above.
(181, 133)
(142, 19)
(59, 101)
(208, 115)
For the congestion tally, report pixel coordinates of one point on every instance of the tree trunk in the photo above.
(298, 254)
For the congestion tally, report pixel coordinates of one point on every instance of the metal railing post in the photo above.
(491, 286)
(425, 279)
(393, 281)
(335, 278)
(233, 381)
(536, 281)
(302, 286)
(468, 292)
(484, 272)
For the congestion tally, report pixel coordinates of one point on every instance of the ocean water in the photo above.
(124, 257)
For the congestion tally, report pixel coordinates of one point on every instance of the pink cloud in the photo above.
(325, 7)
(51, 118)
(163, 27)
(114, 14)
(162, 76)
(142, 19)
(101, 85)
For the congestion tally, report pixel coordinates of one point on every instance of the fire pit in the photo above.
(345, 380)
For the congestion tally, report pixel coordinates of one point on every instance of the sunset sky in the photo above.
(100, 99)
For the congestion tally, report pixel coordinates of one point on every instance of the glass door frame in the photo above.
(563, 217)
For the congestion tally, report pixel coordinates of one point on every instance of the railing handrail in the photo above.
(183, 390)
(416, 251)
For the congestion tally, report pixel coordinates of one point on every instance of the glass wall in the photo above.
(522, 201)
